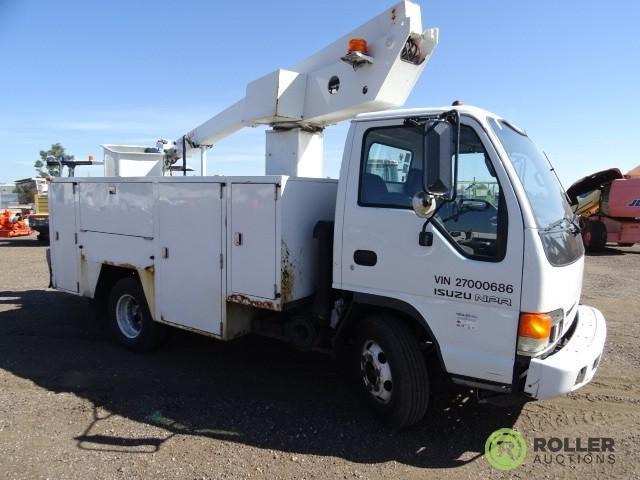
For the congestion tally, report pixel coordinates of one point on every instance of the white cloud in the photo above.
(94, 126)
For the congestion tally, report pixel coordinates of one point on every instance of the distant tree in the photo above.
(26, 192)
(44, 170)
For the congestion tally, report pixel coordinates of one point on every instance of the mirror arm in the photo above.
(428, 220)
(420, 121)
(456, 116)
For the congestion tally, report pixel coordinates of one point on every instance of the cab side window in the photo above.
(391, 167)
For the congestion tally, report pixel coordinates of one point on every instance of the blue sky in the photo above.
(84, 73)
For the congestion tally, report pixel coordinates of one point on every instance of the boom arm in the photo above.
(334, 84)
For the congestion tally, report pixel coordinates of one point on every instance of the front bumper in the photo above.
(574, 364)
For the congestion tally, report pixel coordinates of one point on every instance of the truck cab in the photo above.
(497, 285)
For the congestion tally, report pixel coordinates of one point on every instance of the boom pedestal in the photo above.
(295, 152)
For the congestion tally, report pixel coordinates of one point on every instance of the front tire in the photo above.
(130, 317)
(392, 370)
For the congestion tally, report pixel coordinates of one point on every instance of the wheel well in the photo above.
(416, 327)
(364, 305)
(109, 275)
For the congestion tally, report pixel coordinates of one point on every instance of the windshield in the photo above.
(543, 189)
(559, 234)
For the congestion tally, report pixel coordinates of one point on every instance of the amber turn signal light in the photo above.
(535, 325)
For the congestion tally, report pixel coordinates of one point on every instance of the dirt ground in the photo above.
(75, 405)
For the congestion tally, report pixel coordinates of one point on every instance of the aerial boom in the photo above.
(374, 67)
(334, 84)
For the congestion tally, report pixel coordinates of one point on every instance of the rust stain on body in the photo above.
(123, 265)
(245, 300)
(148, 286)
(82, 277)
(287, 275)
(148, 268)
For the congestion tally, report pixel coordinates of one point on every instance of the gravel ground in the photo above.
(74, 405)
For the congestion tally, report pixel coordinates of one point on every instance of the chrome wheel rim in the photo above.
(129, 316)
(376, 372)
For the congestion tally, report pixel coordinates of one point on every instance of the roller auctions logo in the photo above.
(505, 449)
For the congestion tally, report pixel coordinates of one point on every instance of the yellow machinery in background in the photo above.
(39, 221)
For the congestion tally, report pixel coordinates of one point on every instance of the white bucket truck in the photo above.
(446, 234)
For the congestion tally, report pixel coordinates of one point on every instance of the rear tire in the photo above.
(392, 370)
(130, 317)
(594, 236)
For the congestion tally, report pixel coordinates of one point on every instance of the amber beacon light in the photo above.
(358, 45)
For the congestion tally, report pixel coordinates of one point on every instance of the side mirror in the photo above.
(441, 156)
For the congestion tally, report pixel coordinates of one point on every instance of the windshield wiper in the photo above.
(555, 224)
(576, 229)
(572, 223)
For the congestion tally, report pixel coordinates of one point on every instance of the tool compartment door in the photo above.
(189, 242)
(253, 240)
(122, 208)
(64, 249)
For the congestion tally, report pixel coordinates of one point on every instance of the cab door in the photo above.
(466, 282)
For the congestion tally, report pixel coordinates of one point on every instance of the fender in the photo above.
(361, 302)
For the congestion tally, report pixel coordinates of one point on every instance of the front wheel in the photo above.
(130, 317)
(393, 372)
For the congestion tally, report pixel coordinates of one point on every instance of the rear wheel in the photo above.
(130, 317)
(594, 236)
(392, 370)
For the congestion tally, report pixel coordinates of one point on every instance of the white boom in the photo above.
(332, 85)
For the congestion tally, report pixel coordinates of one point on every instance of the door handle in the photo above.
(237, 239)
(368, 258)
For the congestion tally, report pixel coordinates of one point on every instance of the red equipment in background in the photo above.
(12, 225)
(608, 203)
